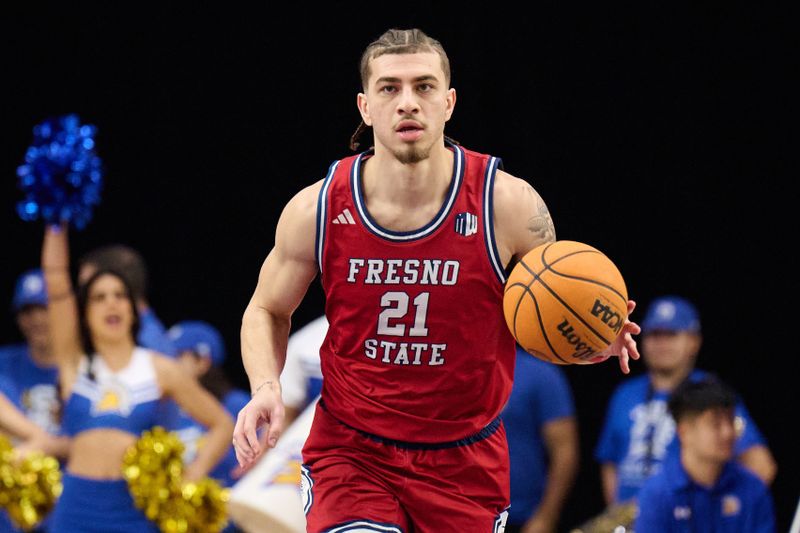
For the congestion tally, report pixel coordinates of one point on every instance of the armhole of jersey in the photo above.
(322, 207)
(488, 218)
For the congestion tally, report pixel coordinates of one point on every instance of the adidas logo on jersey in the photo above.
(466, 224)
(344, 218)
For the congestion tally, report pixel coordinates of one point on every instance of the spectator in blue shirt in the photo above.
(703, 489)
(202, 352)
(543, 444)
(639, 432)
(29, 368)
(128, 262)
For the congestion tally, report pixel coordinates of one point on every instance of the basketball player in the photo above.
(412, 240)
(639, 433)
(704, 489)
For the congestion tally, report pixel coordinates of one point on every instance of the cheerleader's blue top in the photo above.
(127, 400)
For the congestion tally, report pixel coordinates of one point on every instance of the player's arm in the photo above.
(61, 305)
(522, 221)
(561, 441)
(283, 281)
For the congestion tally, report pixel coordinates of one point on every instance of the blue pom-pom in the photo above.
(62, 176)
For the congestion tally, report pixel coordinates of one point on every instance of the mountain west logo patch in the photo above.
(466, 224)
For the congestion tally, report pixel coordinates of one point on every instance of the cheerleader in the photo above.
(111, 389)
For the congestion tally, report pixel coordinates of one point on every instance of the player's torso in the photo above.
(417, 339)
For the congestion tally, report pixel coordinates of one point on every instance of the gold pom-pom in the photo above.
(29, 487)
(206, 505)
(153, 468)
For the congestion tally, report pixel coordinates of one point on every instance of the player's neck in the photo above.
(701, 471)
(668, 380)
(385, 179)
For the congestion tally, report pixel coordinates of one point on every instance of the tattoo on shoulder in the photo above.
(541, 224)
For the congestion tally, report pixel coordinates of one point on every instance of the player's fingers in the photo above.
(275, 426)
(633, 327)
(250, 441)
(238, 435)
(623, 361)
(631, 306)
(633, 348)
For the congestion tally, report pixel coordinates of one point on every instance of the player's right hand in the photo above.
(264, 408)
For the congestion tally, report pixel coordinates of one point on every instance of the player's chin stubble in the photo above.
(413, 154)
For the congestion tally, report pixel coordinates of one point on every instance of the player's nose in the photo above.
(407, 103)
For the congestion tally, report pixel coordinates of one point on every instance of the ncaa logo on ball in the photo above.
(607, 315)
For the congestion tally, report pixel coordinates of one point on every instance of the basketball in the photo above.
(564, 302)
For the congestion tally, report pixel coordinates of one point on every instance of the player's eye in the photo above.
(424, 87)
(388, 89)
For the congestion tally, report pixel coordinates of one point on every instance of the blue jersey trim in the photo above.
(488, 218)
(485, 433)
(305, 472)
(405, 236)
(322, 207)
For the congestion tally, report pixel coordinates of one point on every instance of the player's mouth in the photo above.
(113, 320)
(409, 130)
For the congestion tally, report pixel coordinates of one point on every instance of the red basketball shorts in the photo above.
(356, 482)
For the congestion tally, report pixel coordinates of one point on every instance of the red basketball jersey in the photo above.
(418, 349)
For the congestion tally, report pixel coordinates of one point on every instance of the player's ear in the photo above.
(363, 108)
(451, 103)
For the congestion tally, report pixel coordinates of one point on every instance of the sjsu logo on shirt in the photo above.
(731, 505)
(112, 398)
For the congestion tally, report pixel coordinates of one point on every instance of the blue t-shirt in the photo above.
(540, 395)
(738, 502)
(153, 335)
(639, 435)
(32, 388)
(192, 433)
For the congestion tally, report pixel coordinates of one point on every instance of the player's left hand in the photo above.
(623, 346)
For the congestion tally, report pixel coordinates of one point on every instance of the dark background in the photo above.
(656, 134)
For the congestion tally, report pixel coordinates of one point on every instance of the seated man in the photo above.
(704, 489)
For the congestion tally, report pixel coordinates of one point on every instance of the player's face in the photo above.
(710, 435)
(109, 309)
(407, 103)
(670, 351)
(34, 325)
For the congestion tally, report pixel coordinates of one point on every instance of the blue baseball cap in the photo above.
(671, 313)
(30, 290)
(199, 337)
